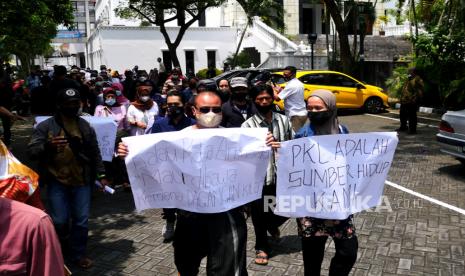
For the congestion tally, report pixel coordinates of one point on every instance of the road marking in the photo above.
(395, 119)
(430, 199)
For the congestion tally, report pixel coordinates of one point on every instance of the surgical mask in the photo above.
(118, 92)
(144, 98)
(110, 102)
(163, 96)
(174, 77)
(320, 117)
(142, 79)
(174, 111)
(209, 120)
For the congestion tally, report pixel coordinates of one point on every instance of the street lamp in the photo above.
(311, 40)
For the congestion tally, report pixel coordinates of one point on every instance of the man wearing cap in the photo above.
(239, 108)
(293, 96)
(58, 83)
(70, 162)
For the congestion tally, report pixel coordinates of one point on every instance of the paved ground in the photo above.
(416, 238)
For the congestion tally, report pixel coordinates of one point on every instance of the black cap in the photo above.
(207, 85)
(67, 95)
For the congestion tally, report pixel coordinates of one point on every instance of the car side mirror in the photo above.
(360, 86)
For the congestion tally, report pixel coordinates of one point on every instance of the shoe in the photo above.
(412, 132)
(401, 129)
(168, 231)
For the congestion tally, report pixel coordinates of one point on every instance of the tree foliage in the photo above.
(160, 12)
(270, 11)
(28, 26)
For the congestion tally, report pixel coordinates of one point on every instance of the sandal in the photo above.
(261, 258)
(85, 263)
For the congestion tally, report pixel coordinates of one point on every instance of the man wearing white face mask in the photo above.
(221, 237)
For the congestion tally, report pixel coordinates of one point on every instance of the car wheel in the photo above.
(373, 105)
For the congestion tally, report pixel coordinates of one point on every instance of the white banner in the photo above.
(333, 176)
(204, 171)
(105, 129)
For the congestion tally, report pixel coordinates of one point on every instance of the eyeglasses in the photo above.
(206, 109)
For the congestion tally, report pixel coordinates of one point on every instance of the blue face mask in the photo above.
(110, 102)
(118, 93)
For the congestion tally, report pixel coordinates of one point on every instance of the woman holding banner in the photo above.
(322, 112)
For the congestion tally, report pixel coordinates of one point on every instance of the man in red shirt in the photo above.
(28, 243)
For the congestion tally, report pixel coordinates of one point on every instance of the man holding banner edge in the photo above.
(219, 236)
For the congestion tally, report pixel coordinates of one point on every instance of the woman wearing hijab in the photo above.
(322, 113)
(142, 111)
(120, 98)
(112, 109)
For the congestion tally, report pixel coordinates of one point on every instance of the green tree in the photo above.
(160, 12)
(27, 27)
(270, 11)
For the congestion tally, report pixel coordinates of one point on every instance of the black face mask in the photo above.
(175, 111)
(264, 109)
(239, 96)
(319, 118)
(70, 111)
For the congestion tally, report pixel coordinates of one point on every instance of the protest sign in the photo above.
(105, 129)
(199, 170)
(333, 176)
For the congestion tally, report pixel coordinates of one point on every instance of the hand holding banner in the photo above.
(333, 176)
(204, 171)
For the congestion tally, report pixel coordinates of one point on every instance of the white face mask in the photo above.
(209, 120)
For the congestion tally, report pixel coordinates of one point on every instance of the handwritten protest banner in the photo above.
(105, 129)
(333, 176)
(204, 171)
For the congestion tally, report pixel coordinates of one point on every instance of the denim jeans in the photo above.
(70, 203)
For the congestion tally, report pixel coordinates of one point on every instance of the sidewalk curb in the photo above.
(424, 109)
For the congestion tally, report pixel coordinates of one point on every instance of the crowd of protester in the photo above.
(162, 101)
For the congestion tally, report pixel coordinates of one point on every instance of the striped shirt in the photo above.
(281, 129)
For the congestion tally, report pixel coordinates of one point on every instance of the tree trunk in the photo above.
(239, 44)
(347, 59)
(327, 31)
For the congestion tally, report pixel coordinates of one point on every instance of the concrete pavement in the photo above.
(416, 238)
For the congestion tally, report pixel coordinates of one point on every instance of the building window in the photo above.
(167, 60)
(202, 20)
(190, 68)
(211, 58)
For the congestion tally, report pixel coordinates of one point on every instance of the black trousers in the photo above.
(169, 214)
(408, 113)
(264, 219)
(313, 251)
(220, 237)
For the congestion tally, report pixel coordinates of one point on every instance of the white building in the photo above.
(121, 43)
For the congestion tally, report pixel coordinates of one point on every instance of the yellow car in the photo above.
(350, 93)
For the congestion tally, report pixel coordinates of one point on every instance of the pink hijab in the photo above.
(121, 99)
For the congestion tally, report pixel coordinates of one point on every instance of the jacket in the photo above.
(232, 116)
(37, 148)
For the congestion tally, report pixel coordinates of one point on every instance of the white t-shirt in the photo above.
(137, 115)
(293, 96)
